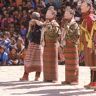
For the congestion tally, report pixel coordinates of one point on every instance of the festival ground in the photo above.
(11, 86)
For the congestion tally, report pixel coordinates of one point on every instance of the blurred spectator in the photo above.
(20, 50)
(13, 57)
(23, 32)
(14, 21)
(3, 55)
(7, 42)
(1, 4)
(1, 21)
(1, 38)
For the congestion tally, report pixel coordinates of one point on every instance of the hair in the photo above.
(89, 2)
(35, 15)
(69, 9)
(51, 12)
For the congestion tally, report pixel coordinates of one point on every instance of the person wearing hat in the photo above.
(33, 58)
(88, 38)
(49, 40)
(3, 55)
(69, 43)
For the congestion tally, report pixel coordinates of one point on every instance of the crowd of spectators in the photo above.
(14, 22)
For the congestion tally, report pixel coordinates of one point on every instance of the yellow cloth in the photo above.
(81, 46)
(89, 36)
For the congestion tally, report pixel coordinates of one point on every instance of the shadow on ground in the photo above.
(44, 89)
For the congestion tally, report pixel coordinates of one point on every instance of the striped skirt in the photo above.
(71, 62)
(33, 58)
(50, 61)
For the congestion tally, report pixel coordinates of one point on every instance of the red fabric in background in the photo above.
(1, 4)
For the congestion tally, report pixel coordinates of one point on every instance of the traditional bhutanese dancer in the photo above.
(70, 45)
(33, 58)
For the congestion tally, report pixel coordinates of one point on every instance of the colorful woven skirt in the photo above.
(50, 61)
(71, 62)
(33, 59)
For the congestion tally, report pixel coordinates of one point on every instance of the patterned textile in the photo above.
(71, 51)
(72, 33)
(33, 59)
(50, 60)
(50, 56)
(71, 62)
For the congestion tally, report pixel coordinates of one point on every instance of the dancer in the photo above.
(50, 55)
(70, 44)
(33, 59)
(88, 38)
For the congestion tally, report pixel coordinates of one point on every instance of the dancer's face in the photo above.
(85, 7)
(68, 15)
